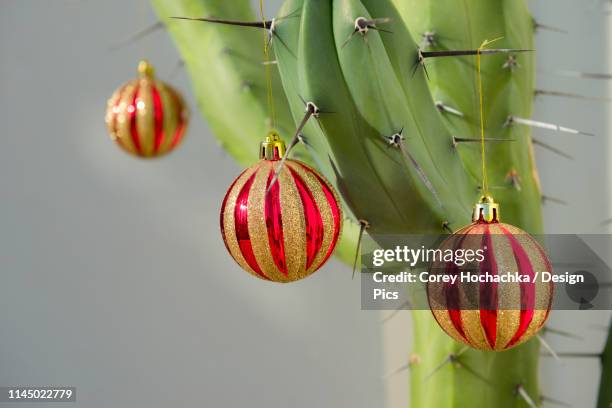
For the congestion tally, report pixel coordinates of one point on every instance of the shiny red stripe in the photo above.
(451, 294)
(274, 224)
(178, 134)
(525, 268)
(312, 217)
(223, 205)
(133, 110)
(333, 205)
(488, 299)
(158, 116)
(242, 229)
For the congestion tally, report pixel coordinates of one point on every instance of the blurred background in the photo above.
(114, 275)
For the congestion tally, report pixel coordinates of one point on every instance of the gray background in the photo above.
(115, 279)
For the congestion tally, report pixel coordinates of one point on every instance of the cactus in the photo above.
(225, 65)
(387, 118)
(605, 384)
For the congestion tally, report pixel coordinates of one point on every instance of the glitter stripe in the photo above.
(452, 294)
(241, 227)
(543, 291)
(170, 120)
(274, 224)
(488, 291)
(133, 111)
(229, 220)
(124, 133)
(312, 218)
(145, 118)
(470, 311)
(223, 206)
(443, 319)
(527, 289)
(313, 184)
(294, 223)
(436, 294)
(257, 224)
(332, 201)
(539, 318)
(508, 293)
(470, 301)
(181, 120)
(551, 286)
(113, 113)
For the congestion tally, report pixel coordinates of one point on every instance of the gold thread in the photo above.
(485, 180)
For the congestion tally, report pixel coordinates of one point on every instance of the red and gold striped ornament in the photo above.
(492, 316)
(281, 229)
(146, 117)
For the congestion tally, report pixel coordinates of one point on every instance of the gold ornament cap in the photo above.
(486, 210)
(273, 148)
(145, 69)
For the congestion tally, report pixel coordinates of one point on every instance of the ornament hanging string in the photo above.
(267, 33)
(485, 178)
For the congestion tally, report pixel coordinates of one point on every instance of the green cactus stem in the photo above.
(605, 384)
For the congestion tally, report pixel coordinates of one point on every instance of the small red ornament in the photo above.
(281, 230)
(146, 117)
(492, 316)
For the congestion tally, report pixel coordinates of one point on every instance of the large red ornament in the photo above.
(146, 117)
(492, 316)
(284, 231)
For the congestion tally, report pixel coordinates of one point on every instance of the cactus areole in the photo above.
(484, 313)
(280, 219)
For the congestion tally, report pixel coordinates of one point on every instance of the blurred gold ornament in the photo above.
(146, 117)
